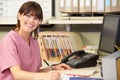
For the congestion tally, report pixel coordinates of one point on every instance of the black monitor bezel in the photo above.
(117, 40)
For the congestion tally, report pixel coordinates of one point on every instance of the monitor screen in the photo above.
(110, 33)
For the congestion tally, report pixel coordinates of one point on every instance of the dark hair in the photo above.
(26, 8)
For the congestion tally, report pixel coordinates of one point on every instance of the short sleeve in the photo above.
(8, 54)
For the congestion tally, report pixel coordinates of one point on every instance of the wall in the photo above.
(4, 30)
(90, 33)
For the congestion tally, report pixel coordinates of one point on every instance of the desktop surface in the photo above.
(88, 72)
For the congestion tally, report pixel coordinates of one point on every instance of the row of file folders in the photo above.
(55, 45)
(81, 6)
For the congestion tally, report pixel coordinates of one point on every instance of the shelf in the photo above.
(77, 20)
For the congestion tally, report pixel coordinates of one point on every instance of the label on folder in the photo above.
(79, 78)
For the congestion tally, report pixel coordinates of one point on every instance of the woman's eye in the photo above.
(28, 15)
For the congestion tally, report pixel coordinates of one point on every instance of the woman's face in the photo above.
(28, 22)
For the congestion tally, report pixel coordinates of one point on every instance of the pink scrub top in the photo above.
(15, 51)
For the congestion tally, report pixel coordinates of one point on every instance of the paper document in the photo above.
(66, 74)
(79, 72)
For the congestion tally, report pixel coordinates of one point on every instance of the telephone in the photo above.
(80, 58)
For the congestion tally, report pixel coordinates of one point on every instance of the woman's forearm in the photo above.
(24, 75)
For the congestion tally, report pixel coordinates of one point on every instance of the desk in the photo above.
(84, 71)
(81, 71)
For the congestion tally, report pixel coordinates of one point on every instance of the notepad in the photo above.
(79, 78)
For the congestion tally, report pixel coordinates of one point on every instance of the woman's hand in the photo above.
(61, 66)
(51, 75)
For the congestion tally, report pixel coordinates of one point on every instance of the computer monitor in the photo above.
(110, 34)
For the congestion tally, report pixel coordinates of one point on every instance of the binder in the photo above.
(88, 5)
(71, 6)
(75, 6)
(61, 5)
(107, 5)
(81, 6)
(115, 5)
(55, 45)
(68, 5)
(94, 5)
(100, 5)
(118, 5)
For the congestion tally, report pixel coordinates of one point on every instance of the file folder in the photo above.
(61, 5)
(107, 5)
(88, 5)
(55, 45)
(118, 68)
(81, 6)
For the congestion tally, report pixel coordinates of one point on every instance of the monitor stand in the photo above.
(102, 53)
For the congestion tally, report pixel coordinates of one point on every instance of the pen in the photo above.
(77, 75)
(117, 47)
(50, 67)
(46, 62)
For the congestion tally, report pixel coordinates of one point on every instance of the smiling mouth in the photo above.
(29, 25)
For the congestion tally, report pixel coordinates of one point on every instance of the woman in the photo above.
(19, 54)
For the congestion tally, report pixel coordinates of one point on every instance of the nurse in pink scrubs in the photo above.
(19, 50)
